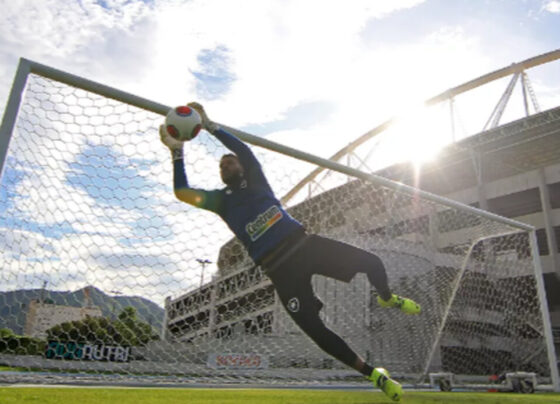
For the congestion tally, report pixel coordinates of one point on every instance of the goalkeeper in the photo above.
(280, 245)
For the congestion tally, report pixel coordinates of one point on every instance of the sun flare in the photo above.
(417, 137)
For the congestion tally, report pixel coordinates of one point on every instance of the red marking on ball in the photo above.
(183, 110)
(173, 132)
(196, 129)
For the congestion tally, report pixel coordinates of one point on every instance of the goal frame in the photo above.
(27, 67)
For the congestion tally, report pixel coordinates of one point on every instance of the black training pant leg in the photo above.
(326, 339)
(343, 261)
(303, 306)
(334, 259)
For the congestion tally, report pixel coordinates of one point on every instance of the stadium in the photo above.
(471, 235)
(524, 191)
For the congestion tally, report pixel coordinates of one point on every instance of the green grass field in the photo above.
(67, 395)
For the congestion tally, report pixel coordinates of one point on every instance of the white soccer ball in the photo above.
(183, 123)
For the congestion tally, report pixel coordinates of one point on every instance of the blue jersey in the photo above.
(250, 210)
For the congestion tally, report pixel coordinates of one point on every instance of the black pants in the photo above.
(317, 255)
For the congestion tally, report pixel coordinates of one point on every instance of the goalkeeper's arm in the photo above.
(200, 198)
(246, 157)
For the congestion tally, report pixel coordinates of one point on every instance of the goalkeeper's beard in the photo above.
(233, 180)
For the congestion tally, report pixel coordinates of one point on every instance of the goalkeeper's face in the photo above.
(231, 169)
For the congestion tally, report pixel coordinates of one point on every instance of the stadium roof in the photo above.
(523, 145)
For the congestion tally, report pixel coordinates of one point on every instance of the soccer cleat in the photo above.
(406, 305)
(382, 380)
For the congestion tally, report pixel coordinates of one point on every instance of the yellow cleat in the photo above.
(406, 305)
(382, 380)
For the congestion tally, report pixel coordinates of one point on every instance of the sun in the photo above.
(417, 136)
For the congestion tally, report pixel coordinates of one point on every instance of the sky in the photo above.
(311, 74)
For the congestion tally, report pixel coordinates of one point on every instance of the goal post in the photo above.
(552, 354)
(104, 272)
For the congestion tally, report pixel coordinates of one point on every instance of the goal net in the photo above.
(104, 275)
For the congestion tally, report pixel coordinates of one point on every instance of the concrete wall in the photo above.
(42, 316)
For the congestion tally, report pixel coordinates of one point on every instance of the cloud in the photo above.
(123, 261)
(158, 49)
(552, 6)
(11, 177)
(88, 185)
(109, 178)
(214, 78)
(253, 69)
(27, 245)
(62, 28)
(77, 36)
(280, 61)
(88, 192)
(302, 116)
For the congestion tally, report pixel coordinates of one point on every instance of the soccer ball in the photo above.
(183, 123)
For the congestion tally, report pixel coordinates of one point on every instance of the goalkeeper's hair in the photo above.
(229, 155)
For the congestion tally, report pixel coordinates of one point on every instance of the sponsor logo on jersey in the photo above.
(263, 222)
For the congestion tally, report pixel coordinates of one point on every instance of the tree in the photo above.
(12, 343)
(130, 327)
(6, 333)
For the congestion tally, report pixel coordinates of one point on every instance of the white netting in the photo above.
(92, 233)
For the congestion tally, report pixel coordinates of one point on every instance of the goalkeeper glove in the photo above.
(175, 146)
(206, 122)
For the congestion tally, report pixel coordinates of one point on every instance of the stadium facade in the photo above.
(512, 170)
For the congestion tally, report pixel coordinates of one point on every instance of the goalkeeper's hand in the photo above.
(175, 146)
(206, 122)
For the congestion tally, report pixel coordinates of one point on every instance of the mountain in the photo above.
(14, 304)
